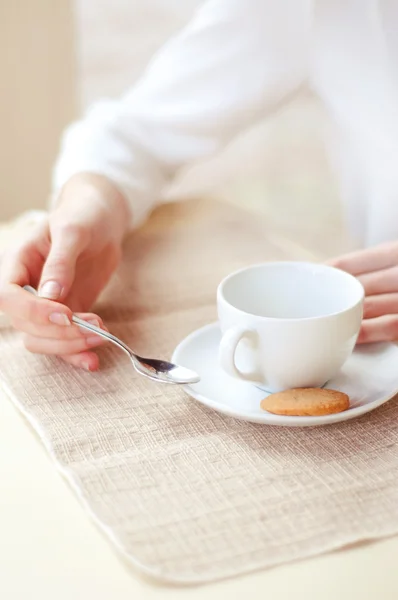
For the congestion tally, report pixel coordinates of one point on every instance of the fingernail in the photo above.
(59, 319)
(94, 322)
(93, 340)
(51, 290)
(87, 332)
(86, 366)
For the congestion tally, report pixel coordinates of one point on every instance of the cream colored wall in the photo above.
(38, 97)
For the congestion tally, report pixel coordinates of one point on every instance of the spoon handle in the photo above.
(104, 334)
(85, 325)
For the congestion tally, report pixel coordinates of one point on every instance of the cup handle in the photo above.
(227, 350)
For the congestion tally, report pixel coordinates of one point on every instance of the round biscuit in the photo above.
(306, 402)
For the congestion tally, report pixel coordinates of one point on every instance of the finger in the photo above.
(23, 262)
(22, 305)
(13, 269)
(383, 304)
(52, 331)
(380, 282)
(381, 329)
(67, 243)
(84, 360)
(366, 261)
(50, 346)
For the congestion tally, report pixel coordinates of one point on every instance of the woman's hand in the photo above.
(69, 259)
(377, 270)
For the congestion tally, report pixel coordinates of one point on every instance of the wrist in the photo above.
(99, 200)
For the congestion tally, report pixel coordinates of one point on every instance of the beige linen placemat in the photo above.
(186, 494)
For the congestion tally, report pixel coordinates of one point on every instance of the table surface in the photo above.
(50, 549)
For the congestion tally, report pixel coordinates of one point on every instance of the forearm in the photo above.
(231, 65)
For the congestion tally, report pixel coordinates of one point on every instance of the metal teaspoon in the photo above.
(158, 370)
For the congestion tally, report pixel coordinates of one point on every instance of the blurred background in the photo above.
(58, 56)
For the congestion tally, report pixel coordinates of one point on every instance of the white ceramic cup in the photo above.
(288, 324)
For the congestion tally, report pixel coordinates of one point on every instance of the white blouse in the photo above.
(234, 62)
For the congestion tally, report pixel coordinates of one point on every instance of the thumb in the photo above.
(67, 243)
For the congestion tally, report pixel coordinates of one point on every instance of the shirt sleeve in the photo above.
(234, 61)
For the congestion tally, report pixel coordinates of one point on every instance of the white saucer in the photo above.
(369, 377)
